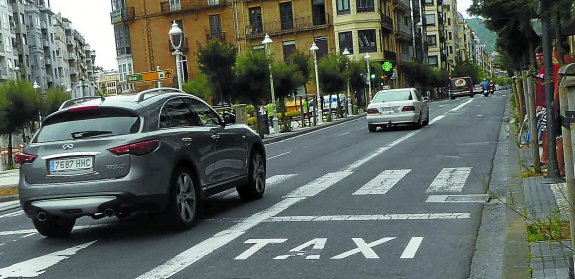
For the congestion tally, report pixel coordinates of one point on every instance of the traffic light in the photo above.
(372, 76)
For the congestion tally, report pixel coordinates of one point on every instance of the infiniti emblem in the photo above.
(68, 146)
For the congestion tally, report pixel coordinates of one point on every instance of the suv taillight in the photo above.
(137, 149)
(23, 158)
(372, 111)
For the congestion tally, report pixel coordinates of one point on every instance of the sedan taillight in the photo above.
(408, 109)
(137, 149)
(23, 158)
(372, 111)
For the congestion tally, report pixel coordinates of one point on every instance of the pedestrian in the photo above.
(271, 109)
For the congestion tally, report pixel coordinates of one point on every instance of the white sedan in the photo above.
(397, 107)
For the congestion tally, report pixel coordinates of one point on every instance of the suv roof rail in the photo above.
(75, 101)
(156, 91)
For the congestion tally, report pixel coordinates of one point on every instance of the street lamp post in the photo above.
(319, 113)
(176, 38)
(267, 41)
(349, 103)
(37, 89)
(367, 57)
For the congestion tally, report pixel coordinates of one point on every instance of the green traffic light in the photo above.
(372, 76)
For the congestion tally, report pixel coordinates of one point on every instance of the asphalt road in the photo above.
(341, 203)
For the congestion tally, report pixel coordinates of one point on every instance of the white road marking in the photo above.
(33, 231)
(412, 247)
(442, 106)
(479, 198)
(279, 155)
(381, 217)
(204, 248)
(382, 183)
(258, 244)
(462, 105)
(344, 134)
(378, 152)
(364, 248)
(449, 180)
(317, 245)
(37, 266)
(480, 115)
(12, 214)
(313, 132)
(270, 181)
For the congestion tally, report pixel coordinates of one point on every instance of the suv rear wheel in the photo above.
(184, 204)
(256, 185)
(54, 226)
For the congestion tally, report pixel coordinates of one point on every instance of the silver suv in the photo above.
(160, 150)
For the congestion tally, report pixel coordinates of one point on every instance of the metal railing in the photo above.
(389, 55)
(118, 15)
(275, 27)
(187, 5)
(217, 36)
(387, 22)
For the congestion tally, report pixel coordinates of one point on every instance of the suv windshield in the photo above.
(392, 96)
(73, 125)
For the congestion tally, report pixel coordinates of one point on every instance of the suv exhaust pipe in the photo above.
(109, 212)
(41, 216)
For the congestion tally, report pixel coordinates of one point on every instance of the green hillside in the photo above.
(486, 36)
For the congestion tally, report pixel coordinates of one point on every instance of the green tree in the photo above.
(216, 60)
(200, 87)
(287, 78)
(468, 69)
(416, 73)
(53, 100)
(303, 62)
(20, 105)
(357, 82)
(332, 77)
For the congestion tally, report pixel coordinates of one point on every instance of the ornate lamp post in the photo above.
(316, 106)
(176, 38)
(349, 103)
(266, 42)
(367, 57)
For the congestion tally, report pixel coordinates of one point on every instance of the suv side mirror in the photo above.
(229, 118)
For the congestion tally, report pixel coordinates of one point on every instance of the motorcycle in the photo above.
(485, 92)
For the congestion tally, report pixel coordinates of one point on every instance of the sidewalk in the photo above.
(10, 178)
(546, 199)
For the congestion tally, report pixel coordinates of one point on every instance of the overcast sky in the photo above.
(462, 6)
(92, 19)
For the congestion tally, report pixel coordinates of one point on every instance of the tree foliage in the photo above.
(201, 87)
(468, 69)
(303, 62)
(332, 74)
(216, 60)
(252, 77)
(53, 100)
(287, 78)
(416, 73)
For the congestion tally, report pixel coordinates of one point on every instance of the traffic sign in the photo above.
(151, 76)
(387, 66)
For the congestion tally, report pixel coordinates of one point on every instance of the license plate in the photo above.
(73, 164)
(388, 109)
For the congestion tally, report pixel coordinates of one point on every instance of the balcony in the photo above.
(403, 33)
(73, 71)
(190, 5)
(48, 61)
(402, 5)
(387, 23)
(183, 48)
(275, 27)
(118, 16)
(216, 36)
(50, 79)
(46, 43)
(389, 55)
(43, 24)
(72, 56)
(70, 41)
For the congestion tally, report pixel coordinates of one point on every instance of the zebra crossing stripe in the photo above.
(270, 181)
(382, 183)
(449, 180)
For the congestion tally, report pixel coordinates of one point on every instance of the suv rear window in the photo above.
(89, 123)
(393, 96)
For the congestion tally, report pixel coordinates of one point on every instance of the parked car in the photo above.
(460, 87)
(397, 107)
(160, 150)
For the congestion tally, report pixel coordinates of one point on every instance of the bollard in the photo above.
(531, 113)
(567, 110)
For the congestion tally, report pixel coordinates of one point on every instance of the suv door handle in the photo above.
(187, 139)
(215, 136)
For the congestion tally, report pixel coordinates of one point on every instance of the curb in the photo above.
(306, 130)
(9, 207)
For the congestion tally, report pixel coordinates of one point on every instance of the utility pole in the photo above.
(553, 167)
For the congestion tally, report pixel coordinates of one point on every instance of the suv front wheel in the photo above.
(256, 185)
(184, 206)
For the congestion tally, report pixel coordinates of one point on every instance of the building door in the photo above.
(215, 25)
(286, 16)
(256, 20)
(318, 12)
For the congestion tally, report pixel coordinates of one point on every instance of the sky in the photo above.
(92, 19)
(462, 6)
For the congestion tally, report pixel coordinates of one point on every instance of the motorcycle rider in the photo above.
(491, 86)
(485, 86)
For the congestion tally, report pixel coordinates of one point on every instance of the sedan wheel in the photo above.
(256, 185)
(185, 202)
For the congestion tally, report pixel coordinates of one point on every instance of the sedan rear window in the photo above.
(89, 123)
(393, 96)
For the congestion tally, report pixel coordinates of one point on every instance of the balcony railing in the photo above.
(403, 33)
(43, 25)
(118, 15)
(403, 5)
(386, 22)
(48, 61)
(188, 5)
(389, 55)
(183, 48)
(275, 27)
(216, 36)
(72, 56)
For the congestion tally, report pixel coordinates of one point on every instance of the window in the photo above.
(430, 19)
(208, 117)
(365, 6)
(318, 12)
(286, 16)
(342, 7)
(259, 47)
(450, 50)
(288, 49)
(449, 21)
(176, 113)
(321, 43)
(213, 2)
(256, 20)
(367, 41)
(346, 40)
(5, 22)
(432, 60)
(215, 24)
(432, 40)
(175, 5)
(429, 2)
(450, 36)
